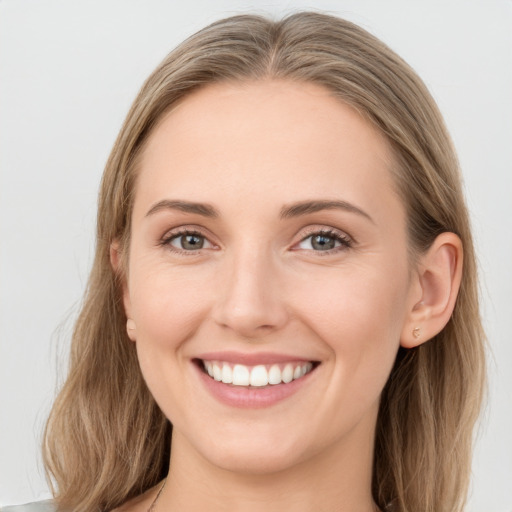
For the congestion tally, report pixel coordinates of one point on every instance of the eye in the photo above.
(325, 240)
(187, 241)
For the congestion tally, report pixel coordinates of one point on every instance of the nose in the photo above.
(250, 297)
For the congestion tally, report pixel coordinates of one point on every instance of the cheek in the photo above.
(356, 300)
(167, 305)
(359, 316)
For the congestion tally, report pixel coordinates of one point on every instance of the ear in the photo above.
(119, 267)
(434, 290)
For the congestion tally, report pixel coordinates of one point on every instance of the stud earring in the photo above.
(416, 332)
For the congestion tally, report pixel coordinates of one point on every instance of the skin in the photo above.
(259, 285)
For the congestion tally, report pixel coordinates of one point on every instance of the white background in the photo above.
(69, 70)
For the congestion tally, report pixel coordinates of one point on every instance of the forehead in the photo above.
(267, 140)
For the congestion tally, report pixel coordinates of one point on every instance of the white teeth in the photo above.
(240, 375)
(227, 374)
(217, 372)
(274, 375)
(287, 374)
(257, 376)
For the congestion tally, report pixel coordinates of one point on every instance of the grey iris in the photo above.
(192, 242)
(322, 242)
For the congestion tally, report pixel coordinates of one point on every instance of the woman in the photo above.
(285, 274)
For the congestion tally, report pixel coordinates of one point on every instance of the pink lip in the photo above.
(251, 359)
(250, 397)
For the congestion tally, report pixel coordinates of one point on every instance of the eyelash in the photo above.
(344, 240)
(170, 237)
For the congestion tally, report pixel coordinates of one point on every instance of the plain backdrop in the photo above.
(69, 70)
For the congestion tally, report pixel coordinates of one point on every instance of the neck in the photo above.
(338, 479)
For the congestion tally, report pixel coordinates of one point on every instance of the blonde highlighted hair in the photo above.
(107, 441)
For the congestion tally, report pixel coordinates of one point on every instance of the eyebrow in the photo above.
(313, 206)
(203, 209)
(293, 210)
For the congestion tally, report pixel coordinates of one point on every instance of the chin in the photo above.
(256, 464)
(254, 454)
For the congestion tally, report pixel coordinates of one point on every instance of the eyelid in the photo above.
(171, 234)
(346, 240)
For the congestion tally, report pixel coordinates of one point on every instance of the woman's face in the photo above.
(267, 242)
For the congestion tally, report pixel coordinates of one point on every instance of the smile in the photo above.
(256, 376)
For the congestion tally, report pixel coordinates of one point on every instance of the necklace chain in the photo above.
(152, 506)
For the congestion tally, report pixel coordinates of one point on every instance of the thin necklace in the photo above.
(152, 506)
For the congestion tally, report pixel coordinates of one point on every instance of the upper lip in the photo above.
(252, 359)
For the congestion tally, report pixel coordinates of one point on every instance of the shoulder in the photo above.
(39, 506)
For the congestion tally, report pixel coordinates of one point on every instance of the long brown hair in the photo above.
(106, 439)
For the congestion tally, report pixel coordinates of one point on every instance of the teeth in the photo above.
(227, 374)
(217, 372)
(240, 375)
(257, 376)
(274, 375)
(287, 375)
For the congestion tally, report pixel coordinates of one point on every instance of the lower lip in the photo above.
(251, 397)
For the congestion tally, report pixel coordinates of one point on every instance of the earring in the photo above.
(416, 332)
